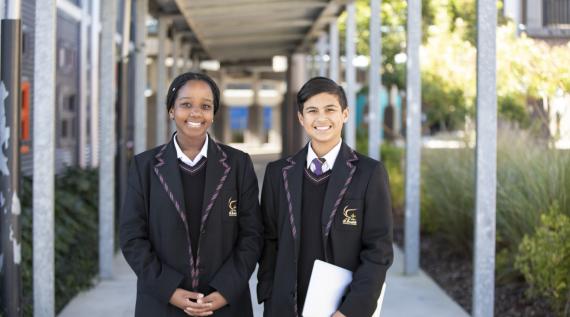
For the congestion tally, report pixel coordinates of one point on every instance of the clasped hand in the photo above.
(196, 304)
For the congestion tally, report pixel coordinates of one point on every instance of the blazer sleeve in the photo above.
(269, 255)
(154, 278)
(376, 255)
(232, 279)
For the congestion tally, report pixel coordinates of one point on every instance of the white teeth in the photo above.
(194, 124)
(322, 128)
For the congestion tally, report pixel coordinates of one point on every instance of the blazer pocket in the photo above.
(349, 215)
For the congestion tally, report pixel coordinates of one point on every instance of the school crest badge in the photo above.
(232, 207)
(349, 216)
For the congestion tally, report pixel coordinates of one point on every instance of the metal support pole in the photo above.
(123, 111)
(176, 50)
(375, 122)
(187, 57)
(350, 73)
(161, 127)
(253, 134)
(108, 147)
(174, 54)
(44, 158)
(321, 51)
(83, 38)
(95, 32)
(333, 51)
(10, 226)
(413, 140)
(141, 82)
(293, 137)
(486, 158)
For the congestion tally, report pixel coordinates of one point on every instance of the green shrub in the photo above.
(392, 157)
(530, 177)
(76, 235)
(544, 260)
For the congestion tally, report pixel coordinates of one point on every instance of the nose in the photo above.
(195, 112)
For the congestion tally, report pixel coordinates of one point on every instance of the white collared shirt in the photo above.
(185, 159)
(330, 157)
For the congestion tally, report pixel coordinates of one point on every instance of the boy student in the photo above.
(326, 202)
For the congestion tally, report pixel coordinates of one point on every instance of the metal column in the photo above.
(141, 75)
(333, 51)
(321, 51)
(161, 114)
(176, 50)
(350, 73)
(124, 102)
(413, 140)
(254, 132)
(486, 158)
(94, 127)
(83, 92)
(10, 226)
(293, 137)
(375, 122)
(44, 158)
(108, 139)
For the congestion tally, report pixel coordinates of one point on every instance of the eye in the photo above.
(206, 107)
(185, 105)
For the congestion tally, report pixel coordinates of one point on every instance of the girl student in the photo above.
(191, 226)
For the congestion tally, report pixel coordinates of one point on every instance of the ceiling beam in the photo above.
(246, 26)
(243, 40)
(255, 8)
(329, 13)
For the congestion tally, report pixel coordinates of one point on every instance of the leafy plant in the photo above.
(76, 235)
(544, 260)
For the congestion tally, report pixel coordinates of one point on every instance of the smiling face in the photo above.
(323, 118)
(193, 110)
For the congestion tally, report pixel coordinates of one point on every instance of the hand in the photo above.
(181, 298)
(216, 299)
(338, 314)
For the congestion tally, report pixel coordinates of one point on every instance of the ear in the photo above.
(300, 117)
(345, 115)
(171, 113)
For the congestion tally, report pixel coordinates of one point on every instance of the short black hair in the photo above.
(317, 85)
(182, 79)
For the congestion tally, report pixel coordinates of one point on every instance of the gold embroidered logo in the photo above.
(232, 205)
(349, 216)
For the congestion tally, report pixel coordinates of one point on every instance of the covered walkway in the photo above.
(260, 52)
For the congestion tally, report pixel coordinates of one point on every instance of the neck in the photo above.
(321, 149)
(190, 146)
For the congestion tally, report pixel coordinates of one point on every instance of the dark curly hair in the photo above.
(182, 79)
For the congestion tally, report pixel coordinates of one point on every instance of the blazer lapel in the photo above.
(342, 172)
(217, 170)
(167, 171)
(293, 178)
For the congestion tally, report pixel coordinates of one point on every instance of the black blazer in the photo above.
(154, 234)
(356, 231)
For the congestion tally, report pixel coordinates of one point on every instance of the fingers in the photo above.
(198, 308)
(193, 295)
(201, 310)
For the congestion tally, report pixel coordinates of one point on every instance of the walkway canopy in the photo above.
(250, 32)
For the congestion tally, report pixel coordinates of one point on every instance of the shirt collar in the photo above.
(185, 159)
(330, 157)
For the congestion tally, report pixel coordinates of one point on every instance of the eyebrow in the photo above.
(183, 97)
(326, 106)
